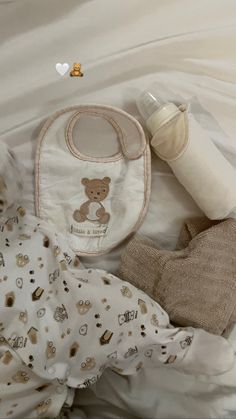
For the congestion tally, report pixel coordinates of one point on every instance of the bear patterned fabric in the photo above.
(95, 201)
(62, 325)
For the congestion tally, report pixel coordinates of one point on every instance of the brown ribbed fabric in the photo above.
(196, 285)
(192, 228)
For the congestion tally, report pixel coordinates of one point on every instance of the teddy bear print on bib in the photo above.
(93, 209)
(96, 201)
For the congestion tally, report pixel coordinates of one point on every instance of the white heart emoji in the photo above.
(62, 68)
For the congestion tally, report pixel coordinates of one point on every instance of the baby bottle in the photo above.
(179, 139)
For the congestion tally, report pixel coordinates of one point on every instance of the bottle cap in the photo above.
(155, 110)
(147, 104)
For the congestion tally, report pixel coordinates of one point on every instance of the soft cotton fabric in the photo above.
(87, 197)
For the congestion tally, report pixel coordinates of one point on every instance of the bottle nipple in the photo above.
(147, 104)
(155, 111)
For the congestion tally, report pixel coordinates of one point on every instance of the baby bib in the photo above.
(95, 201)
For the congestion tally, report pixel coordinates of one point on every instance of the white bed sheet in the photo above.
(188, 48)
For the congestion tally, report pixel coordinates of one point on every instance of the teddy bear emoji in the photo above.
(93, 210)
(76, 71)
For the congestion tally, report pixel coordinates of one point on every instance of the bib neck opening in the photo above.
(93, 136)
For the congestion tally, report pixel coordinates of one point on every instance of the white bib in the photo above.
(96, 201)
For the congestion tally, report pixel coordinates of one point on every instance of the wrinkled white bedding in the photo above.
(188, 48)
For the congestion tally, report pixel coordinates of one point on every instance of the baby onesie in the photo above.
(62, 325)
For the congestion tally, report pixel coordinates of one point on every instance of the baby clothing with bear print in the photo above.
(61, 326)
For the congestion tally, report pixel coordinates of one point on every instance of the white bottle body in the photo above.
(206, 174)
(196, 162)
